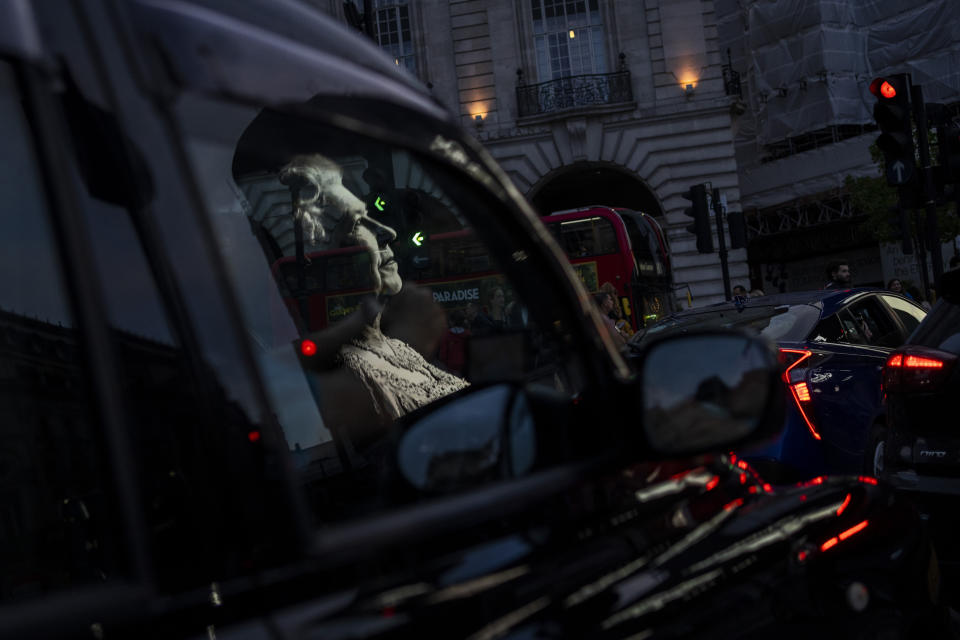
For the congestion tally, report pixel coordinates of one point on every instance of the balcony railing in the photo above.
(574, 91)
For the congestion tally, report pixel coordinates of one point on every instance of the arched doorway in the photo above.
(588, 183)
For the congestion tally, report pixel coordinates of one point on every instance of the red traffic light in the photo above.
(308, 348)
(882, 88)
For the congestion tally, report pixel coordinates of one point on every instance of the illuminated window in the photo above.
(393, 31)
(569, 38)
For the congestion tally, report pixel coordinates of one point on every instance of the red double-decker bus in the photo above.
(605, 245)
(626, 248)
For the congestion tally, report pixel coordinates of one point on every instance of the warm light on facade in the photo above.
(573, 34)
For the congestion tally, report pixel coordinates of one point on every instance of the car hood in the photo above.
(709, 549)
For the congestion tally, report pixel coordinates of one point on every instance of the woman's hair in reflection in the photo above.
(320, 199)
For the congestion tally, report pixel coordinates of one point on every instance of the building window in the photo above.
(569, 38)
(393, 32)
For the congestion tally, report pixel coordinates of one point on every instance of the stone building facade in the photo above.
(611, 102)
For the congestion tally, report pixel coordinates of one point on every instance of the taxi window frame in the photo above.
(118, 599)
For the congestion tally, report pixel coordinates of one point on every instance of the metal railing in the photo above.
(574, 91)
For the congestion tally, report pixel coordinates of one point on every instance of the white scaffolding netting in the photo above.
(808, 63)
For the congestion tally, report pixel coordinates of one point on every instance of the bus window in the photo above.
(594, 236)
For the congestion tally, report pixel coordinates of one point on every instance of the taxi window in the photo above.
(58, 518)
(374, 284)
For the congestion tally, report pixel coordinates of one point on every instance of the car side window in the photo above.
(58, 528)
(875, 324)
(841, 327)
(909, 314)
(371, 294)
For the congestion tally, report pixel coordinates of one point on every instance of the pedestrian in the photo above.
(453, 345)
(757, 293)
(605, 304)
(838, 275)
(492, 317)
(896, 286)
(623, 326)
(739, 291)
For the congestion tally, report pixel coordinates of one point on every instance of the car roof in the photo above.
(279, 50)
(829, 300)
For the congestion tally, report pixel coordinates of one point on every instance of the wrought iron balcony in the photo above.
(574, 91)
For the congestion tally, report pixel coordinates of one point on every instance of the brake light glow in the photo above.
(918, 362)
(733, 504)
(800, 392)
(714, 481)
(843, 507)
(868, 480)
(308, 348)
(253, 436)
(792, 358)
(855, 529)
(916, 369)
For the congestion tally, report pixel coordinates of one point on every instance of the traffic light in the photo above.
(892, 113)
(700, 212)
(738, 229)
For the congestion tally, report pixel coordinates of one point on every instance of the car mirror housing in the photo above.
(484, 435)
(707, 391)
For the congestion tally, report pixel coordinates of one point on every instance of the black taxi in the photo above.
(192, 447)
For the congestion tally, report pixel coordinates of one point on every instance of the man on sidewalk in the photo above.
(838, 272)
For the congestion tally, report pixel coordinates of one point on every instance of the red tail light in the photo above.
(916, 369)
(793, 376)
(308, 348)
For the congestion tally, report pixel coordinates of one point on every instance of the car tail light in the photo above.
(793, 377)
(917, 369)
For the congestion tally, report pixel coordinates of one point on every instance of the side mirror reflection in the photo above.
(705, 391)
(485, 435)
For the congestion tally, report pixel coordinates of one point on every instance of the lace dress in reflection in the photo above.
(395, 375)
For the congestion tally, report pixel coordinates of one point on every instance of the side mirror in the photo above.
(709, 390)
(482, 436)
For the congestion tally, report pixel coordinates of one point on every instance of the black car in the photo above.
(193, 447)
(833, 344)
(921, 381)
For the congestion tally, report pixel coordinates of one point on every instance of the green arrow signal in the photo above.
(379, 203)
(417, 238)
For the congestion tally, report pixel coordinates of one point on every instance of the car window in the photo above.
(370, 251)
(870, 321)
(194, 429)
(940, 329)
(57, 517)
(910, 315)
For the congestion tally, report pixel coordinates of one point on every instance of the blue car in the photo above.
(833, 344)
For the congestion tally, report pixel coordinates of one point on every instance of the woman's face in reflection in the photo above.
(337, 218)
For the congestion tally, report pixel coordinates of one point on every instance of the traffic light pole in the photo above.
(721, 243)
(929, 193)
